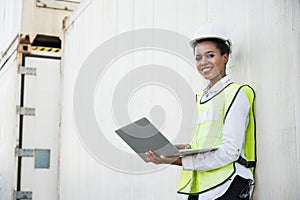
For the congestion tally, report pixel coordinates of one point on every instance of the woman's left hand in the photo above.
(156, 159)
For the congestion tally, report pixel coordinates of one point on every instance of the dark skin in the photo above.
(212, 66)
(156, 159)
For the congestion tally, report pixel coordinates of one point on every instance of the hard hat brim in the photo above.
(194, 40)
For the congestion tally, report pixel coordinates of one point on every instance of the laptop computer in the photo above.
(143, 136)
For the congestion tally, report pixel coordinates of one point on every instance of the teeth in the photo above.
(206, 70)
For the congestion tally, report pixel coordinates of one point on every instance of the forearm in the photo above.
(177, 162)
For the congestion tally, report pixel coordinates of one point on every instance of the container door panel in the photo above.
(41, 131)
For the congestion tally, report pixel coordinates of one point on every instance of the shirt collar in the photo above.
(221, 84)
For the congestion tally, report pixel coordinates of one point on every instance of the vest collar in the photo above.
(216, 88)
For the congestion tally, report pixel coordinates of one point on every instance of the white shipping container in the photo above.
(265, 54)
(38, 135)
(30, 109)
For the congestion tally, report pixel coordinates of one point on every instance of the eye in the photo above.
(198, 58)
(210, 55)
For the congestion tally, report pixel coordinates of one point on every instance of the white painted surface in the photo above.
(25, 17)
(10, 22)
(41, 131)
(9, 98)
(42, 20)
(265, 54)
(82, 176)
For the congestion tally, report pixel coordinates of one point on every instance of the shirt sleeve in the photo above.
(232, 142)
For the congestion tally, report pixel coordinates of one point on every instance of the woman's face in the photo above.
(209, 61)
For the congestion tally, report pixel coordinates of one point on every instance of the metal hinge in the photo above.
(25, 111)
(22, 195)
(24, 152)
(27, 70)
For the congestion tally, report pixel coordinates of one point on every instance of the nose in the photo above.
(203, 61)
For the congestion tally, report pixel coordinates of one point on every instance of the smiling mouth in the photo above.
(206, 69)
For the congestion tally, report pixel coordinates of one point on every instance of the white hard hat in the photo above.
(210, 30)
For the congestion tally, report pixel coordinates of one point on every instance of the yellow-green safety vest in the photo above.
(210, 117)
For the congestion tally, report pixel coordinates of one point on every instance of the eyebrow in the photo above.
(206, 52)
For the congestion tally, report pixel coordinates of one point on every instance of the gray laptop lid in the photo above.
(142, 136)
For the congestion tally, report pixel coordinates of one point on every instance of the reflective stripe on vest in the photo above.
(209, 123)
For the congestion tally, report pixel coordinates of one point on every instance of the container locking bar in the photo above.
(25, 111)
(27, 70)
(22, 195)
(24, 152)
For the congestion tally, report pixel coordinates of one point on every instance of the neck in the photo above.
(213, 81)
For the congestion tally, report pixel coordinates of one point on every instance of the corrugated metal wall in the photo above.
(265, 38)
(10, 23)
(9, 99)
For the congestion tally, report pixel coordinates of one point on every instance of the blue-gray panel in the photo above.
(42, 159)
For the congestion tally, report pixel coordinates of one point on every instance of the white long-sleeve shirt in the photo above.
(233, 138)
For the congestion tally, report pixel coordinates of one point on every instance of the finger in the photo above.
(150, 157)
(153, 154)
(155, 158)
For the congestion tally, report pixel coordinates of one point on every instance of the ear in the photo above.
(225, 58)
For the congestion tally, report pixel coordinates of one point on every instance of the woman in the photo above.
(225, 118)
